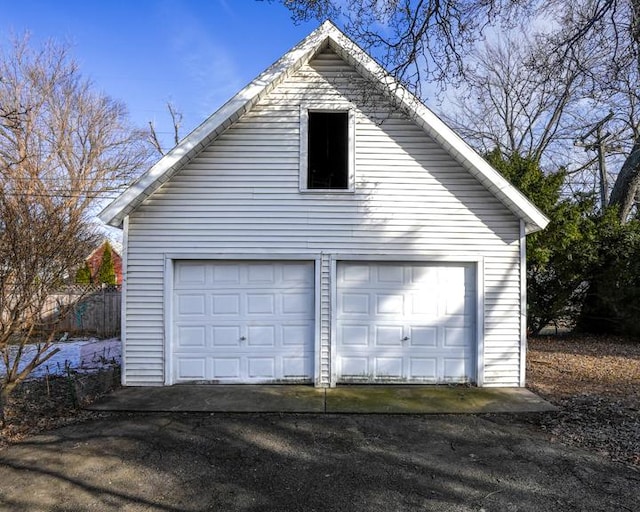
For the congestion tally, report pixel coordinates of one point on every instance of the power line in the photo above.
(89, 195)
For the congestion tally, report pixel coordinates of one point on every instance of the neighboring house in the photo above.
(94, 261)
(324, 226)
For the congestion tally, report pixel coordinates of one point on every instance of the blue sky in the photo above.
(194, 53)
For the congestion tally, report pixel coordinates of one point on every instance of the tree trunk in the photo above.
(5, 391)
(628, 180)
(627, 183)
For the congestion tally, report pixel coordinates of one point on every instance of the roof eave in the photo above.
(114, 213)
(242, 102)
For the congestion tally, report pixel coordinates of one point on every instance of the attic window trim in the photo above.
(347, 108)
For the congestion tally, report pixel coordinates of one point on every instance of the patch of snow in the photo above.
(79, 355)
(99, 353)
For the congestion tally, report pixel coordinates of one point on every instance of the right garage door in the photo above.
(406, 322)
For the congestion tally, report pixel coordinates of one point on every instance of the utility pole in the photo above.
(602, 165)
(600, 146)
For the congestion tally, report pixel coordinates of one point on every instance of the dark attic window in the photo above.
(328, 151)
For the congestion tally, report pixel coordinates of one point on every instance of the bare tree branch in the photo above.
(416, 40)
(153, 139)
(517, 100)
(62, 147)
(176, 122)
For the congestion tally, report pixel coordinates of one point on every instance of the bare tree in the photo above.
(176, 122)
(39, 243)
(63, 146)
(69, 141)
(516, 100)
(611, 30)
(623, 99)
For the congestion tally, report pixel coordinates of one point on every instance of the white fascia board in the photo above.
(509, 195)
(198, 139)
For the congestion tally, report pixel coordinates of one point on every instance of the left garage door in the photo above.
(243, 322)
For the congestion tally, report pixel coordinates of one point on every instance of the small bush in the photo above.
(612, 300)
(107, 272)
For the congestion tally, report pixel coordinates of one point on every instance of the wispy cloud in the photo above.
(207, 63)
(227, 8)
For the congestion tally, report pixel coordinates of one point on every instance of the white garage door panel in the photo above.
(243, 321)
(405, 322)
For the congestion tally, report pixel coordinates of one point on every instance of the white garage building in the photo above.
(323, 226)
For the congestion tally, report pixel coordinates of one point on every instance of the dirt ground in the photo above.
(596, 383)
(43, 404)
(261, 462)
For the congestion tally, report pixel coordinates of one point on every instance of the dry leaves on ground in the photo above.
(596, 382)
(42, 404)
(571, 366)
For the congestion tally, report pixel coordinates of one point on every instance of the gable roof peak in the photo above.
(327, 33)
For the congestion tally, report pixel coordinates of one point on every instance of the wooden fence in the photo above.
(85, 309)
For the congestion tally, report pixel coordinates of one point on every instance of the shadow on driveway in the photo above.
(264, 462)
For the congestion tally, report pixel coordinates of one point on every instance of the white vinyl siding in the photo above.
(325, 320)
(241, 195)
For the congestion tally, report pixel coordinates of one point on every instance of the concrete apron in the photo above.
(373, 399)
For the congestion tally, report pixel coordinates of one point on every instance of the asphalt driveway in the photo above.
(263, 462)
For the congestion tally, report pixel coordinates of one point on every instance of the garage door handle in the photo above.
(243, 338)
(406, 338)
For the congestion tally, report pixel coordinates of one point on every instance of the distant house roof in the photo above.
(326, 35)
(95, 259)
(100, 248)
